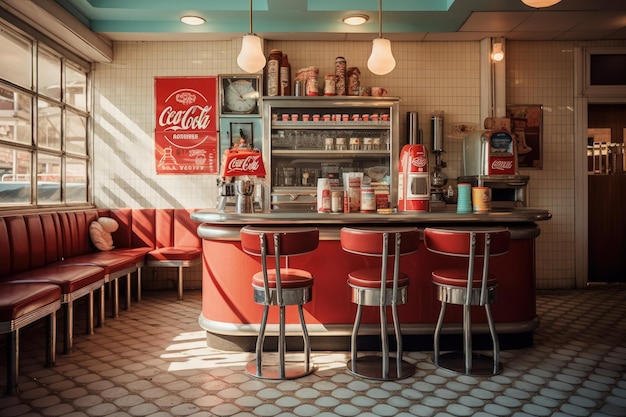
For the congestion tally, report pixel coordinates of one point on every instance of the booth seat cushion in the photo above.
(19, 299)
(111, 261)
(69, 278)
(174, 254)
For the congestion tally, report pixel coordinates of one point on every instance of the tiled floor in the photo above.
(153, 361)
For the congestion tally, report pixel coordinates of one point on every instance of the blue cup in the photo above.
(464, 200)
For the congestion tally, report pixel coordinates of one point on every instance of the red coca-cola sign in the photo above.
(502, 165)
(237, 163)
(186, 125)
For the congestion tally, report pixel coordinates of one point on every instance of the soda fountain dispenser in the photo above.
(241, 169)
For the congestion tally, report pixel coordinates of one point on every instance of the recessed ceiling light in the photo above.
(192, 20)
(357, 19)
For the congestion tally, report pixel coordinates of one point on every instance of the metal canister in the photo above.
(311, 86)
(329, 85)
(340, 76)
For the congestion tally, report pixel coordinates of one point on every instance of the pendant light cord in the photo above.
(251, 16)
(380, 18)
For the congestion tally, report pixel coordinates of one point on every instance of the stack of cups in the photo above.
(464, 199)
(481, 199)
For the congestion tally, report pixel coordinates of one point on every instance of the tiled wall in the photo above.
(441, 76)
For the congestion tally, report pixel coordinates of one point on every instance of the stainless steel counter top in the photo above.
(500, 215)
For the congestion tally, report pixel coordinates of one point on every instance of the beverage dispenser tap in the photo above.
(241, 169)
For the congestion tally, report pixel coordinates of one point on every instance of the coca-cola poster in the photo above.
(185, 136)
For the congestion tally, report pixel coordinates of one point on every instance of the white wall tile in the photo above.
(429, 76)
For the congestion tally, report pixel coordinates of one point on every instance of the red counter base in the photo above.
(231, 318)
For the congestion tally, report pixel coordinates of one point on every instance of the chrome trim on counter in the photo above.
(252, 329)
(497, 215)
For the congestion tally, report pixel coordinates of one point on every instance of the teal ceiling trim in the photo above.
(216, 5)
(389, 5)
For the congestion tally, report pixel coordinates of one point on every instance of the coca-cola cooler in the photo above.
(490, 160)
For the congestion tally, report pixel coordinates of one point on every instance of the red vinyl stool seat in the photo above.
(469, 285)
(382, 286)
(280, 286)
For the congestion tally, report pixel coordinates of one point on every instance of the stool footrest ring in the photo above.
(371, 367)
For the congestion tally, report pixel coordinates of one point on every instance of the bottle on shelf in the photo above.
(272, 73)
(285, 76)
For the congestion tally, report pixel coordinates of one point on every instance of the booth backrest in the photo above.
(5, 250)
(75, 231)
(34, 240)
(153, 228)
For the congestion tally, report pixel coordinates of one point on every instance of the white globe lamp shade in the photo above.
(540, 3)
(251, 58)
(381, 60)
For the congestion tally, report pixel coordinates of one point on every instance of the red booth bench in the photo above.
(47, 261)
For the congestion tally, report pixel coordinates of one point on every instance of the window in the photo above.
(44, 119)
(605, 72)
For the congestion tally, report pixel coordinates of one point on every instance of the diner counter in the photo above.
(231, 318)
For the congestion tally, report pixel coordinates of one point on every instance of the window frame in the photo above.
(70, 112)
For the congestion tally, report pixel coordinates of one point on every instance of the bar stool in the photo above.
(280, 286)
(380, 286)
(467, 286)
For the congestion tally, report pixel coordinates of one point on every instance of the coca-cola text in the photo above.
(502, 164)
(194, 118)
(249, 164)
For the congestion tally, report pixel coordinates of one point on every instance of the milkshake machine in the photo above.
(413, 174)
(239, 183)
(438, 178)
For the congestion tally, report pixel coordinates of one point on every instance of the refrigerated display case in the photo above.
(326, 137)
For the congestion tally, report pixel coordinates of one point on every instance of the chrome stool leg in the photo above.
(437, 335)
(494, 340)
(305, 337)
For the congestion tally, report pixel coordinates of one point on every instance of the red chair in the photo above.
(280, 286)
(380, 286)
(468, 285)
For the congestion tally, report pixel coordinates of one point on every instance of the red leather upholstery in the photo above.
(143, 233)
(369, 241)
(457, 242)
(289, 278)
(293, 240)
(69, 278)
(5, 250)
(458, 277)
(174, 254)
(19, 299)
(370, 278)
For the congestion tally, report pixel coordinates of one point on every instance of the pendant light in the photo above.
(540, 3)
(381, 60)
(251, 58)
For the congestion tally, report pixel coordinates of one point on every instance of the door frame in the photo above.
(583, 96)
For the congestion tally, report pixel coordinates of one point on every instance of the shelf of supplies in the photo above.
(382, 125)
